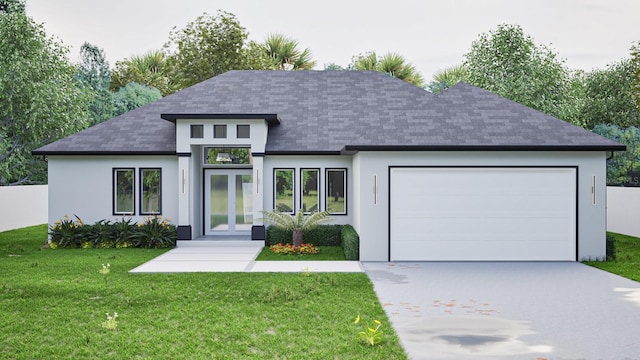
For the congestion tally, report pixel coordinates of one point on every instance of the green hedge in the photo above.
(611, 248)
(350, 243)
(323, 235)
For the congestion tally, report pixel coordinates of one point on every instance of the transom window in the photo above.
(220, 131)
(243, 131)
(197, 131)
(227, 156)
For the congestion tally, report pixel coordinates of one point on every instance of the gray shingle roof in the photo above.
(334, 111)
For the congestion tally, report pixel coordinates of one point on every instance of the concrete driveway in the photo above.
(541, 310)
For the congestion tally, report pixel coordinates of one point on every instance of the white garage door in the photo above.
(483, 214)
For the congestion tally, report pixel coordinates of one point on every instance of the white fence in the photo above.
(22, 206)
(623, 210)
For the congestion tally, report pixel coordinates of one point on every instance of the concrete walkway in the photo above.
(234, 257)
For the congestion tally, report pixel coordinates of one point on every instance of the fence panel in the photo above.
(623, 210)
(22, 206)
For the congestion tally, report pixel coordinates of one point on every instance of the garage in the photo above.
(482, 213)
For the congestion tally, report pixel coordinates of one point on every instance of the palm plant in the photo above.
(390, 63)
(295, 223)
(284, 52)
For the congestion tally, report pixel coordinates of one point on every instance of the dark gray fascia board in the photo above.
(351, 149)
(151, 153)
(306, 152)
(271, 119)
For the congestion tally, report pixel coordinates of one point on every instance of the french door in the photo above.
(228, 202)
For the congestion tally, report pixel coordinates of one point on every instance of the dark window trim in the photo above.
(293, 191)
(114, 171)
(201, 128)
(301, 189)
(346, 190)
(141, 187)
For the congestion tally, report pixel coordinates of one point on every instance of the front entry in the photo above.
(228, 202)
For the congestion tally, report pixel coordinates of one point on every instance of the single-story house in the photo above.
(464, 175)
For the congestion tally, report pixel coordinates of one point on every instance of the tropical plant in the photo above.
(296, 223)
(150, 69)
(285, 53)
(390, 63)
(447, 77)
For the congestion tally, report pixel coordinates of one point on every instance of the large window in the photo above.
(283, 180)
(310, 190)
(335, 196)
(150, 191)
(123, 191)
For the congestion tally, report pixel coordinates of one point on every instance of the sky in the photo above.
(432, 35)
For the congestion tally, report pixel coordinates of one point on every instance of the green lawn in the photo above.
(627, 261)
(326, 253)
(54, 301)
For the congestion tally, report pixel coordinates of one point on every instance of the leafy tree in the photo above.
(150, 68)
(390, 63)
(635, 82)
(623, 165)
(39, 100)
(209, 46)
(336, 67)
(284, 50)
(608, 96)
(12, 6)
(509, 63)
(446, 78)
(132, 96)
(93, 71)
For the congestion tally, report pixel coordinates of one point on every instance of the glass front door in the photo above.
(228, 202)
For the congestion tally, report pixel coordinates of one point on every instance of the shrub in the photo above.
(350, 243)
(67, 233)
(323, 235)
(155, 232)
(123, 231)
(611, 247)
(99, 234)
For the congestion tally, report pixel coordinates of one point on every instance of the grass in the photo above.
(54, 301)
(334, 253)
(627, 261)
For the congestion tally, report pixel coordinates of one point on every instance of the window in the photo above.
(283, 180)
(335, 198)
(150, 191)
(123, 191)
(197, 131)
(243, 131)
(220, 131)
(310, 190)
(227, 156)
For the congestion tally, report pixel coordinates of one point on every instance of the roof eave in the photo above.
(271, 119)
(356, 148)
(105, 153)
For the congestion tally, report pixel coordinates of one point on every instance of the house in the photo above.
(464, 175)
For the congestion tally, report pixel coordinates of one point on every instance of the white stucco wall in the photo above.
(372, 222)
(22, 206)
(82, 185)
(623, 210)
(321, 162)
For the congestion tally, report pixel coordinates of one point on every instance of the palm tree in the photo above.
(150, 68)
(295, 223)
(286, 55)
(446, 78)
(390, 63)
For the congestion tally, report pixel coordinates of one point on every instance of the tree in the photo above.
(12, 6)
(93, 71)
(390, 63)
(132, 96)
(150, 69)
(297, 224)
(608, 97)
(446, 78)
(509, 63)
(39, 100)
(209, 46)
(284, 50)
(624, 165)
(635, 82)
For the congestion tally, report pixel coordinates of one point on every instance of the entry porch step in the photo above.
(219, 243)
